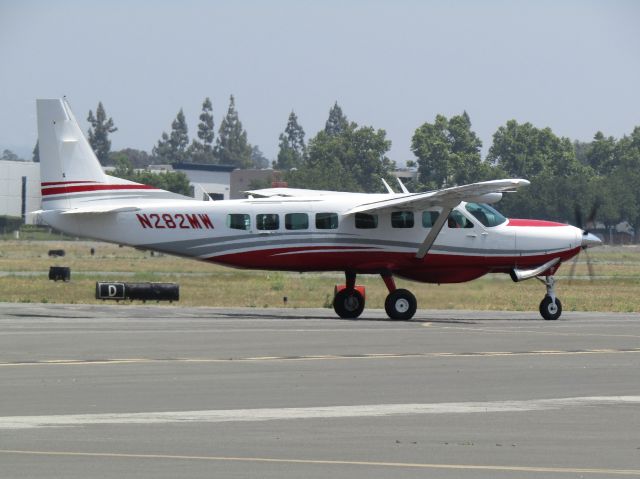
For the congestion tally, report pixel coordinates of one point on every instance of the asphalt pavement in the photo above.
(163, 392)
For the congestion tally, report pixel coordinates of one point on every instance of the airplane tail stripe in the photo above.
(83, 188)
(55, 183)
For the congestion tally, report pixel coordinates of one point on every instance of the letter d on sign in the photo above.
(109, 290)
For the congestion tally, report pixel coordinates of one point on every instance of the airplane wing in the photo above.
(448, 197)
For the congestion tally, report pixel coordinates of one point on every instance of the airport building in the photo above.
(19, 189)
(220, 182)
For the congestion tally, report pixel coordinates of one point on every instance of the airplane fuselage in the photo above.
(313, 234)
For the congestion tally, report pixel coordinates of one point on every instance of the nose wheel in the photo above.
(550, 306)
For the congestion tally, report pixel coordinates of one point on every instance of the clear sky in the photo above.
(571, 65)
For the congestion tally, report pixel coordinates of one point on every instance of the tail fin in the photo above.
(65, 154)
(70, 172)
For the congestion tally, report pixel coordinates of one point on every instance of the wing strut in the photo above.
(435, 231)
(402, 187)
(386, 185)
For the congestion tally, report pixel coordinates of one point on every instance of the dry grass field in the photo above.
(24, 269)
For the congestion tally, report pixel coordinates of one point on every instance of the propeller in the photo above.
(587, 237)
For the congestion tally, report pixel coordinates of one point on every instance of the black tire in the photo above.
(401, 304)
(348, 304)
(548, 310)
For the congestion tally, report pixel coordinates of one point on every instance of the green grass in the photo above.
(25, 265)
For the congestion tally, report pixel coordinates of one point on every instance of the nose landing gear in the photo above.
(550, 306)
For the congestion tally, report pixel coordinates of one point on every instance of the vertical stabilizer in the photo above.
(70, 172)
(65, 153)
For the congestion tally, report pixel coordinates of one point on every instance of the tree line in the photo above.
(565, 175)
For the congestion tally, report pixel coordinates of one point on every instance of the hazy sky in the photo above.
(571, 65)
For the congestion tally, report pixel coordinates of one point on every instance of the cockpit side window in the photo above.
(484, 213)
(458, 220)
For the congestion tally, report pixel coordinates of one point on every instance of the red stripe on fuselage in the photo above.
(52, 183)
(433, 268)
(519, 222)
(83, 188)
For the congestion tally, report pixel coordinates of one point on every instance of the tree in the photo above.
(137, 158)
(99, 132)
(351, 159)
(258, 159)
(448, 153)
(201, 151)
(337, 121)
(232, 147)
(179, 137)
(174, 181)
(8, 155)
(624, 181)
(36, 152)
(293, 150)
(558, 181)
(172, 148)
(601, 154)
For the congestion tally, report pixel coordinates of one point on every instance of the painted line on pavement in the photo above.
(272, 460)
(321, 357)
(319, 412)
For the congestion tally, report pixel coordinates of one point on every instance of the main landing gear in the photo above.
(349, 299)
(550, 306)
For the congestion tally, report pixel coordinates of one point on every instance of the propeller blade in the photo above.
(572, 271)
(589, 265)
(591, 219)
(578, 215)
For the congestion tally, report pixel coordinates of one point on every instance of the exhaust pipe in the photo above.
(522, 274)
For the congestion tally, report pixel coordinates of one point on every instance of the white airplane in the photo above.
(446, 236)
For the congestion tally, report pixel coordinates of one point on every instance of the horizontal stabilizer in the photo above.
(100, 210)
(295, 192)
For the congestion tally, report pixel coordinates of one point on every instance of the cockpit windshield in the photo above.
(487, 215)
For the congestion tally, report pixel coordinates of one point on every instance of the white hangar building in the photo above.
(19, 189)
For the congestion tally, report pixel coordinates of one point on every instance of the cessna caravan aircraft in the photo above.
(445, 236)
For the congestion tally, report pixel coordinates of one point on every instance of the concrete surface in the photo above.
(163, 392)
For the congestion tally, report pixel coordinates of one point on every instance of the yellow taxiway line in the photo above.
(321, 357)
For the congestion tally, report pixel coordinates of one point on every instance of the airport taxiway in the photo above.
(154, 392)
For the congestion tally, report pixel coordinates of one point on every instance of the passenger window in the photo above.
(458, 220)
(402, 219)
(365, 221)
(267, 222)
(429, 218)
(238, 222)
(326, 221)
(296, 221)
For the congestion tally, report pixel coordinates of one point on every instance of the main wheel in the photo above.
(400, 304)
(550, 311)
(348, 304)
